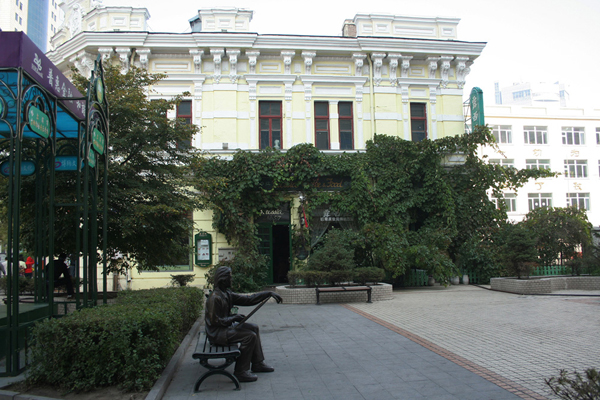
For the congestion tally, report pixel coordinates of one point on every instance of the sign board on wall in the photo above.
(203, 254)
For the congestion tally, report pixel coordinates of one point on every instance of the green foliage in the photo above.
(368, 274)
(182, 279)
(26, 285)
(561, 232)
(409, 209)
(150, 194)
(308, 278)
(574, 386)
(517, 249)
(248, 272)
(126, 344)
(334, 256)
(479, 255)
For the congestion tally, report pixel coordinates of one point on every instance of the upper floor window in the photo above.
(16, 17)
(576, 168)
(537, 200)
(322, 125)
(535, 134)
(346, 125)
(579, 200)
(537, 164)
(418, 121)
(573, 135)
(597, 135)
(509, 200)
(502, 133)
(184, 111)
(270, 124)
(505, 162)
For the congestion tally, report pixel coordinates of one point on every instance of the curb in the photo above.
(161, 385)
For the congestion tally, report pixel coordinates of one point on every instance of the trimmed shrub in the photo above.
(126, 344)
(370, 274)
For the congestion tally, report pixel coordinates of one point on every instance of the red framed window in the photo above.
(322, 125)
(184, 111)
(418, 121)
(346, 125)
(270, 124)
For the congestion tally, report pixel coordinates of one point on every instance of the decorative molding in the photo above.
(432, 66)
(252, 56)
(144, 56)
(359, 60)
(308, 91)
(393, 60)
(445, 60)
(217, 59)
(377, 64)
(308, 60)
(197, 58)
(462, 69)
(124, 53)
(287, 56)
(233, 59)
(106, 53)
(405, 66)
(84, 62)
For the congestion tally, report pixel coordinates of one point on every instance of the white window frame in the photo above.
(509, 200)
(579, 200)
(537, 200)
(539, 134)
(576, 169)
(573, 135)
(502, 133)
(504, 162)
(535, 163)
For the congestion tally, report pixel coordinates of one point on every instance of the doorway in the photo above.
(275, 244)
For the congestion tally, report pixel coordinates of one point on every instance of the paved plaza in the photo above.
(461, 342)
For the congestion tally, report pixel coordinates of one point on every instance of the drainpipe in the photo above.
(371, 95)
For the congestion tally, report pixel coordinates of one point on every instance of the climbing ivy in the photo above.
(410, 209)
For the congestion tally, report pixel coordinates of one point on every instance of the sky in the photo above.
(527, 40)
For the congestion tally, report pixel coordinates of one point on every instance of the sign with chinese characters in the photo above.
(476, 100)
(20, 51)
(38, 121)
(281, 214)
(98, 141)
(326, 183)
(92, 158)
(65, 163)
(27, 168)
(203, 242)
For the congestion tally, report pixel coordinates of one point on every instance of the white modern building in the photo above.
(39, 19)
(564, 140)
(532, 94)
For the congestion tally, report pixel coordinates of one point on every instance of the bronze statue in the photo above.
(222, 328)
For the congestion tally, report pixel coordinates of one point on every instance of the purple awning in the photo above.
(18, 51)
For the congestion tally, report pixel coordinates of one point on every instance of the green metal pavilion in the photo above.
(47, 127)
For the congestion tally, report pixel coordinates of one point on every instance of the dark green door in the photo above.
(275, 243)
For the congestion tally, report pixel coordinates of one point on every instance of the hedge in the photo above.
(126, 344)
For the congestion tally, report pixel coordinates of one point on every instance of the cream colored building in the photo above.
(389, 74)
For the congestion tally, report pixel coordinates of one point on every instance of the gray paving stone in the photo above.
(330, 352)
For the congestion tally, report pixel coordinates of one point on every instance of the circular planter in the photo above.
(304, 295)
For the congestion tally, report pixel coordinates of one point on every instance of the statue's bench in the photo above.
(348, 289)
(205, 351)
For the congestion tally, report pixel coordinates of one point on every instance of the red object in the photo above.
(29, 265)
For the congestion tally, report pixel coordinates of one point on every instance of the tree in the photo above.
(150, 194)
(562, 233)
(517, 249)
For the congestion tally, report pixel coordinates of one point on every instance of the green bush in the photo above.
(26, 285)
(370, 274)
(182, 280)
(575, 387)
(248, 272)
(126, 344)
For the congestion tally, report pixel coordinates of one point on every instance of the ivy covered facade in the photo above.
(269, 105)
